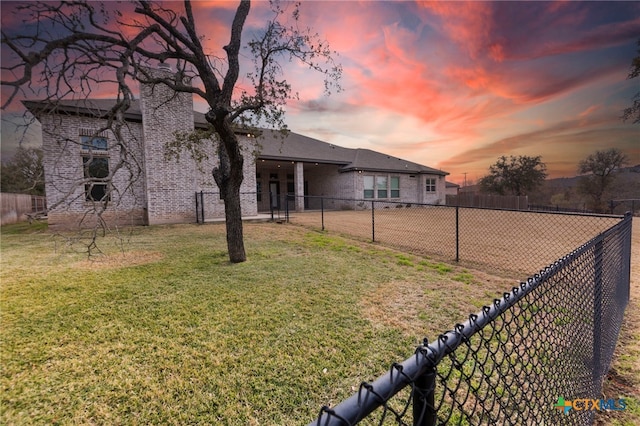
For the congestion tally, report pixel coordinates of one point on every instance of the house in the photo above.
(83, 157)
(452, 188)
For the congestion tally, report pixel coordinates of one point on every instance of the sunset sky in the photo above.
(455, 85)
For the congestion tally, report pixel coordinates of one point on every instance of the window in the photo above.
(93, 143)
(96, 170)
(368, 187)
(381, 186)
(395, 187)
(431, 184)
(95, 165)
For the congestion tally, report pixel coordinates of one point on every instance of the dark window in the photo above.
(96, 170)
(381, 185)
(368, 186)
(395, 187)
(431, 185)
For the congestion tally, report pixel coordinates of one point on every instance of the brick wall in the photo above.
(64, 175)
(169, 182)
(213, 205)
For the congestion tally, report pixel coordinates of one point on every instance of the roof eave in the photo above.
(300, 159)
(403, 171)
(38, 108)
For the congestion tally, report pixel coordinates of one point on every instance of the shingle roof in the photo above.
(273, 145)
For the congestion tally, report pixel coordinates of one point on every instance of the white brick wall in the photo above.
(64, 173)
(169, 182)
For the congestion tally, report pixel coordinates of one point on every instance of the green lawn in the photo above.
(161, 329)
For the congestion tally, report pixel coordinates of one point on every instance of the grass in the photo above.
(163, 330)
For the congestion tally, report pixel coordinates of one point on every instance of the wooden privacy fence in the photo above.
(15, 207)
(470, 199)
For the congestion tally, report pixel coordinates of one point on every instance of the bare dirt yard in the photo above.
(508, 242)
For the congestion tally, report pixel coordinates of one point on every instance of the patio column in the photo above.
(298, 180)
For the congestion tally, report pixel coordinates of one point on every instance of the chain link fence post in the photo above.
(424, 413)
(457, 233)
(197, 209)
(627, 253)
(202, 205)
(373, 222)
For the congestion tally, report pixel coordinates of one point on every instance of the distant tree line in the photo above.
(526, 175)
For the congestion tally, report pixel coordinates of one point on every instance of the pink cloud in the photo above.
(453, 84)
(469, 24)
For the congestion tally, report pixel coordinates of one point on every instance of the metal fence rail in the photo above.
(551, 337)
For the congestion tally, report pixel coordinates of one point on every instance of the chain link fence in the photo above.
(626, 205)
(519, 360)
(522, 359)
(509, 242)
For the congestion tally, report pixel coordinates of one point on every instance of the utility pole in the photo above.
(465, 179)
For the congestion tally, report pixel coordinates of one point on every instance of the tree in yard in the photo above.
(24, 173)
(633, 112)
(598, 170)
(77, 45)
(514, 176)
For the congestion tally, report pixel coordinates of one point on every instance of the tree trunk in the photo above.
(233, 216)
(228, 176)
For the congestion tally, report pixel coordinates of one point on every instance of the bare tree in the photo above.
(598, 174)
(76, 45)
